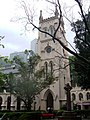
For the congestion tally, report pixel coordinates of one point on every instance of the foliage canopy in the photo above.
(82, 42)
(29, 81)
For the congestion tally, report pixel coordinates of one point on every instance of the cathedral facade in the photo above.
(54, 61)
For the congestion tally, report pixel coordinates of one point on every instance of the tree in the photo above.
(9, 82)
(3, 61)
(1, 74)
(1, 81)
(82, 42)
(29, 82)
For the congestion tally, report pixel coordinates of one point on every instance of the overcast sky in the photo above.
(15, 38)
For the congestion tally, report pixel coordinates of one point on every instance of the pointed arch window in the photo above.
(51, 29)
(51, 67)
(46, 68)
(45, 29)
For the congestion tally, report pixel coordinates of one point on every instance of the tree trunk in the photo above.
(28, 104)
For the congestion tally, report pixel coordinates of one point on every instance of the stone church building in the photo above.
(53, 60)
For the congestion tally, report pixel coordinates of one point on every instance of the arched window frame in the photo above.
(80, 96)
(51, 29)
(45, 29)
(73, 96)
(46, 68)
(51, 67)
(88, 95)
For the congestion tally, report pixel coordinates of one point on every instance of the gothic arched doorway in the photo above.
(49, 100)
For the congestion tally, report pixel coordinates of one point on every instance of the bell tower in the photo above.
(52, 60)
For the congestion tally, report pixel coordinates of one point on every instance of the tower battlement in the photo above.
(56, 13)
(48, 19)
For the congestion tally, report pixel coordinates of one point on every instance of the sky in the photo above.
(16, 39)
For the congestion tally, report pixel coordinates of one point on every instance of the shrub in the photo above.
(59, 112)
(84, 113)
(29, 116)
(10, 115)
